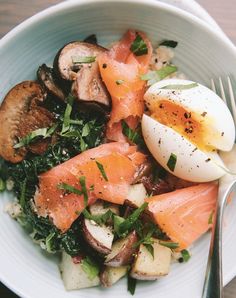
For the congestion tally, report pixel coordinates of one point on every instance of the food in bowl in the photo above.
(105, 152)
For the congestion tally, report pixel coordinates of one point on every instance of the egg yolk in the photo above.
(182, 121)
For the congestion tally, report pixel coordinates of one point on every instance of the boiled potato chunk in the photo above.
(136, 196)
(110, 275)
(73, 275)
(98, 237)
(146, 267)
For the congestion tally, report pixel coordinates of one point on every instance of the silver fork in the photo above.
(213, 285)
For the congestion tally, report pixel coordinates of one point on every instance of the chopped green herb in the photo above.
(2, 185)
(83, 59)
(91, 39)
(125, 226)
(90, 268)
(158, 75)
(185, 255)
(139, 47)
(172, 245)
(180, 87)
(86, 130)
(131, 285)
(49, 242)
(172, 162)
(101, 169)
(169, 43)
(99, 219)
(119, 82)
(68, 110)
(150, 249)
(69, 188)
(82, 182)
(41, 132)
(117, 222)
(131, 134)
(210, 220)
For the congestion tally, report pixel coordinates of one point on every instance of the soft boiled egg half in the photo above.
(186, 126)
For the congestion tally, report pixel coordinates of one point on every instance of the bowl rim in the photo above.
(155, 4)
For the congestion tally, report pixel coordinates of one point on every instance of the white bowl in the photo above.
(201, 54)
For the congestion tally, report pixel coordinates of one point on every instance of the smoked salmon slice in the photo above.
(119, 162)
(121, 72)
(184, 214)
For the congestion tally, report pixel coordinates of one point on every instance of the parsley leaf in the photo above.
(158, 75)
(139, 47)
(101, 169)
(90, 268)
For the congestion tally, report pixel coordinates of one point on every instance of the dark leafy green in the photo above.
(86, 131)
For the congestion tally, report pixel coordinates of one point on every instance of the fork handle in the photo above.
(213, 282)
(213, 285)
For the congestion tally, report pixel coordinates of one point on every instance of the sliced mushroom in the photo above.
(63, 62)
(122, 251)
(20, 114)
(87, 82)
(89, 87)
(98, 237)
(46, 79)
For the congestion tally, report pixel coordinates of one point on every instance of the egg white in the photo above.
(192, 164)
(212, 111)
